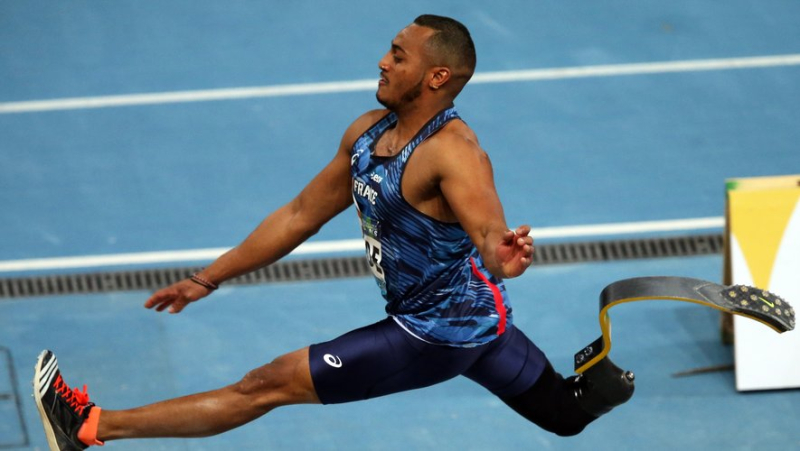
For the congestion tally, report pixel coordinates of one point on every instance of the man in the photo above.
(437, 244)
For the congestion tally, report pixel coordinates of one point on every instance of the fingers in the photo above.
(522, 238)
(525, 242)
(159, 303)
(523, 230)
(157, 299)
(177, 306)
(168, 298)
(527, 256)
(174, 305)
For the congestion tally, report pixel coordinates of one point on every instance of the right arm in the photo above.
(327, 195)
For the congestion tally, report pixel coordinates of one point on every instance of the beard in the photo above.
(407, 97)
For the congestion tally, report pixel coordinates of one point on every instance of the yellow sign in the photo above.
(763, 249)
(758, 220)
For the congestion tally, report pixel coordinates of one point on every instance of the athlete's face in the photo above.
(403, 68)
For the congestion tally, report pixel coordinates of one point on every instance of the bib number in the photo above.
(374, 256)
(372, 245)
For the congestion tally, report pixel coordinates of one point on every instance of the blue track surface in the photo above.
(198, 175)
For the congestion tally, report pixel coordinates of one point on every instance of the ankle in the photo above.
(88, 431)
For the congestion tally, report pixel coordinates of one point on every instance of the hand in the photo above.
(515, 251)
(177, 296)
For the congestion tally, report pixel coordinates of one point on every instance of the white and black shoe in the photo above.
(63, 410)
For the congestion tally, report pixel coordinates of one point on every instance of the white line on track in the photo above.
(355, 245)
(370, 85)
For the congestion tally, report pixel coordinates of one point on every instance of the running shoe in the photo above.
(63, 410)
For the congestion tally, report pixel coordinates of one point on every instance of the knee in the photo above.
(568, 429)
(551, 404)
(267, 378)
(268, 386)
(563, 424)
(564, 420)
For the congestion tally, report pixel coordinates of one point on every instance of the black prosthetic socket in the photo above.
(603, 387)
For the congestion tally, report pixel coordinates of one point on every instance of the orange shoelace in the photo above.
(75, 398)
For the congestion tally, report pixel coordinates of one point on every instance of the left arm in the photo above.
(467, 183)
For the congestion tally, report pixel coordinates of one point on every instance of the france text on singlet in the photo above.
(429, 272)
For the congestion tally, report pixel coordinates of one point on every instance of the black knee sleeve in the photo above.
(552, 405)
(566, 406)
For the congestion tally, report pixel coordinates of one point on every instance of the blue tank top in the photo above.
(430, 273)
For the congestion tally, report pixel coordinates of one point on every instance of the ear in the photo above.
(439, 76)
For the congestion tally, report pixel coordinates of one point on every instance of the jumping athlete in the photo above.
(438, 245)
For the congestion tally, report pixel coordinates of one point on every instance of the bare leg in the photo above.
(287, 380)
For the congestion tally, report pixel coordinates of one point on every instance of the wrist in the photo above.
(203, 282)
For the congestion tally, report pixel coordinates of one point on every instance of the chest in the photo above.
(405, 178)
(387, 179)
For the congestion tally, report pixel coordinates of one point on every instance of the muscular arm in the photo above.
(327, 195)
(467, 183)
(324, 197)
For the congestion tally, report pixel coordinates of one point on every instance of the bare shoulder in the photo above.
(456, 142)
(361, 125)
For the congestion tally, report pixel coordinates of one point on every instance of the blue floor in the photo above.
(201, 175)
(130, 356)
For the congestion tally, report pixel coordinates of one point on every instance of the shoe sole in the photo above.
(48, 429)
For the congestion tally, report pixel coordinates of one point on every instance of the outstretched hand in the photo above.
(176, 296)
(515, 251)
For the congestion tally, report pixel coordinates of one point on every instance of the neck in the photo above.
(412, 117)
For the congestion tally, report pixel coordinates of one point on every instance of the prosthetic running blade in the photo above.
(750, 302)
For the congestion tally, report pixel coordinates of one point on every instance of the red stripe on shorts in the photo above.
(498, 297)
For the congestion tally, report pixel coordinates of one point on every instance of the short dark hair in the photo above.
(451, 44)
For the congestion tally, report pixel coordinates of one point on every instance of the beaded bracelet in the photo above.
(203, 282)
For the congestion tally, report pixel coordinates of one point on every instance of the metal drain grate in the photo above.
(345, 267)
(628, 249)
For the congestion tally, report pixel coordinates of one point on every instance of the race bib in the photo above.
(372, 243)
